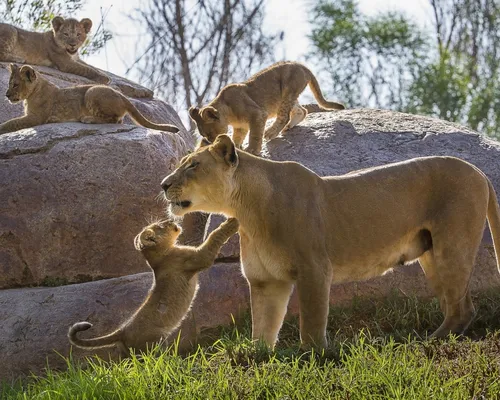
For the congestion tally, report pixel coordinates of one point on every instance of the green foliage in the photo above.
(377, 351)
(37, 15)
(368, 59)
(452, 72)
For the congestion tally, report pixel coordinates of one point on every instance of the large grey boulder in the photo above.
(35, 321)
(73, 196)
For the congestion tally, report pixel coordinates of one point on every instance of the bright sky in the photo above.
(290, 16)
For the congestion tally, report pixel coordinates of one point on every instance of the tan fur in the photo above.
(44, 103)
(56, 48)
(245, 106)
(175, 285)
(299, 228)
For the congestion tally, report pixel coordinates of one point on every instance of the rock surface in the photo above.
(35, 321)
(73, 196)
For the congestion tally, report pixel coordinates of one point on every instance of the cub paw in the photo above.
(232, 225)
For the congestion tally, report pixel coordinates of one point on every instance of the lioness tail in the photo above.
(143, 121)
(494, 221)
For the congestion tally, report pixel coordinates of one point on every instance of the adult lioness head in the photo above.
(21, 83)
(210, 122)
(203, 178)
(70, 33)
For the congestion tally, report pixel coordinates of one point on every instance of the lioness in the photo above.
(44, 103)
(272, 92)
(175, 285)
(299, 228)
(56, 48)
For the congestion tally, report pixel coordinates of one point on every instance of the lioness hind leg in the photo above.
(451, 264)
(297, 115)
(269, 301)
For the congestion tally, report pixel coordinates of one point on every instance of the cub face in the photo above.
(209, 121)
(161, 235)
(70, 34)
(21, 83)
(204, 179)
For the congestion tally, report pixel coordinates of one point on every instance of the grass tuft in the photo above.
(377, 351)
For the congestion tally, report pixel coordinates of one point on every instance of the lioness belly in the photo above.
(409, 248)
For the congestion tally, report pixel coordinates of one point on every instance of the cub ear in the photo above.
(57, 22)
(87, 24)
(209, 113)
(28, 73)
(225, 148)
(13, 68)
(145, 239)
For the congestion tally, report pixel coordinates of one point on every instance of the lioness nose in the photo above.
(165, 184)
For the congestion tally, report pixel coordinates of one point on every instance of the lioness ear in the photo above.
(209, 113)
(87, 24)
(224, 147)
(57, 22)
(28, 73)
(204, 142)
(194, 112)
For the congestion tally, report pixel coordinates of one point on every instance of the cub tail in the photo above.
(103, 341)
(316, 91)
(143, 121)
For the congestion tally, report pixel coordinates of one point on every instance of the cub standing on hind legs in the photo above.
(57, 48)
(270, 93)
(176, 271)
(44, 103)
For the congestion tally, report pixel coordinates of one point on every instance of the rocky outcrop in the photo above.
(35, 321)
(73, 196)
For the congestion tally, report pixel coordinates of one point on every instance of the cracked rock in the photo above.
(73, 196)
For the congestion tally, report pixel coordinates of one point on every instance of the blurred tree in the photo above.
(452, 73)
(370, 60)
(36, 15)
(196, 47)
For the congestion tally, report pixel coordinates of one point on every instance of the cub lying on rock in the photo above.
(44, 103)
(176, 271)
(270, 93)
(57, 48)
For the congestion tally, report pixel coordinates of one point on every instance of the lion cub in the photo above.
(44, 103)
(176, 271)
(57, 48)
(272, 92)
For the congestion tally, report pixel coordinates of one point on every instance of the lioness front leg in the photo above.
(17, 124)
(313, 290)
(269, 300)
(82, 69)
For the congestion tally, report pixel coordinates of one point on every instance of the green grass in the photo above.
(377, 351)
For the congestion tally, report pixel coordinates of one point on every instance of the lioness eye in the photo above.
(194, 164)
